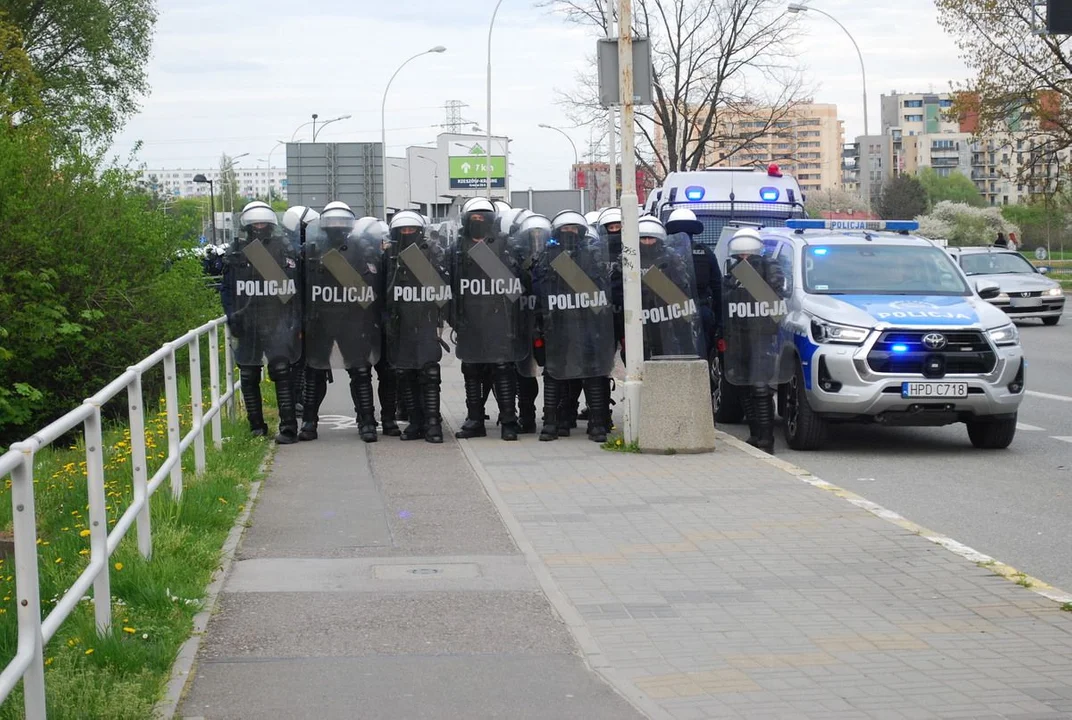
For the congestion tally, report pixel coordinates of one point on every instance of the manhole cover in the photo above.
(411, 572)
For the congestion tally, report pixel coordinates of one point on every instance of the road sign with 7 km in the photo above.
(471, 171)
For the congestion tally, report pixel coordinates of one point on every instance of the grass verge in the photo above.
(123, 674)
(616, 443)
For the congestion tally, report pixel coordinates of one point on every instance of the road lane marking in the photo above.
(1048, 396)
(1025, 426)
(1063, 438)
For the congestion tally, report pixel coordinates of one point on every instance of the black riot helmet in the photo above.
(479, 220)
(407, 228)
(569, 229)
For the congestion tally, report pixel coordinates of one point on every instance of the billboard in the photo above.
(469, 172)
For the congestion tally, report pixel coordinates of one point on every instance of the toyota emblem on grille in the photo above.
(934, 341)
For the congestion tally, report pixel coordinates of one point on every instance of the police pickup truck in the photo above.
(882, 326)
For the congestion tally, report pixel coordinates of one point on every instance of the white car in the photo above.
(1026, 292)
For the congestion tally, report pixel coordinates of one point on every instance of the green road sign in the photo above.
(471, 171)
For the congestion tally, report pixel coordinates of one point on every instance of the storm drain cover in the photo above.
(410, 572)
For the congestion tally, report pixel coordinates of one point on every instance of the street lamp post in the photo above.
(383, 119)
(326, 123)
(488, 149)
(435, 191)
(294, 135)
(798, 8)
(271, 180)
(201, 179)
(576, 157)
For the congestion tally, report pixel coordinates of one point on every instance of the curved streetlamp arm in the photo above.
(488, 153)
(860, 55)
(383, 123)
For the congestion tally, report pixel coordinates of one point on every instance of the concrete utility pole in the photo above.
(634, 334)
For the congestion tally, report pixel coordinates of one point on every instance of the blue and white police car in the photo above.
(884, 327)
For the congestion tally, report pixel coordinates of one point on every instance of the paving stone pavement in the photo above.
(720, 586)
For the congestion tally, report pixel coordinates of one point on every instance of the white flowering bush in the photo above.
(962, 224)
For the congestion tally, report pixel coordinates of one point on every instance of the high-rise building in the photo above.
(251, 182)
(917, 113)
(806, 142)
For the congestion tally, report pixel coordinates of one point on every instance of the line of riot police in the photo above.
(525, 296)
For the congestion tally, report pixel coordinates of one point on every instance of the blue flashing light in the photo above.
(820, 251)
(769, 194)
(695, 193)
(876, 225)
(900, 348)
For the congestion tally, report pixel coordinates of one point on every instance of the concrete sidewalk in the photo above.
(482, 579)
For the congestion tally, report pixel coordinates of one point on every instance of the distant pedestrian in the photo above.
(1001, 242)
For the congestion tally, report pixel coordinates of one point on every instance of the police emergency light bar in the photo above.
(876, 225)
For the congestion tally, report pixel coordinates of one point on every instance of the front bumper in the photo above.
(865, 394)
(1042, 307)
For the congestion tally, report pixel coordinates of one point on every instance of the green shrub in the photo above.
(89, 280)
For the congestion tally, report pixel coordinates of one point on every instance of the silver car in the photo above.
(1026, 292)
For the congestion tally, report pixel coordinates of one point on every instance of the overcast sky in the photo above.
(234, 76)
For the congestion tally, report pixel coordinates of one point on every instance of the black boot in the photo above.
(430, 391)
(568, 403)
(315, 386)
(527, 391)
(750, 416)
(595, 391)
(408, 393)
(364, 404)
(288, 415)
(297, 376)
(552, 391)
(763, 405)
(475, 398)
(388, 392)
(506, 395)
(250, 376)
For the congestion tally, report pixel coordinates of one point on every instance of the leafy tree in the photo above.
(903, 197)
(956, 187)
(712, 60)
(836, 201)
(91, 278)
(1019, 74)
(963, 224)
(1040, 221)
(20, 88)
(88, 57)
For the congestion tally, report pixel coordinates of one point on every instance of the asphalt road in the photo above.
(1014, 505)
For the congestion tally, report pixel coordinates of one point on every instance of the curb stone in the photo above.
(998, 568)
(591, 653)
(183, 667)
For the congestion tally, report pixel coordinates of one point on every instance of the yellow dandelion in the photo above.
(118, 566)
(89, 651)
(59, 560)
(224, 501)
(83, 551)
(85, 533)
(48, 661)
(129, 630)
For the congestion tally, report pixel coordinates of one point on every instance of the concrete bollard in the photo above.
(675, 407)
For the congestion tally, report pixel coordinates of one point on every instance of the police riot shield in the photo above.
(752, 313)
(487, 290)
(417, 300)
(525, 245)
(263, 279)
(574, 305)
(671, 317)
(343, 295)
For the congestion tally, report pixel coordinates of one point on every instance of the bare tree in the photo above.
(723, 70)
(1022, 80)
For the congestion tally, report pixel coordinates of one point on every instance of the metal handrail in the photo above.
(35, 631)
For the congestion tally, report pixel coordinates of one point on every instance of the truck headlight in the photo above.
(1005, 335)
(824, 331)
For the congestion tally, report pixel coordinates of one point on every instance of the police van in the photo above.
(882, 326)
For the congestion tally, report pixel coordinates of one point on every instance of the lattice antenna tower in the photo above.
(454, 122)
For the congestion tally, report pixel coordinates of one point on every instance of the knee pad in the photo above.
(360, 373)
(430, 373)
(278, 371)
(250, 373)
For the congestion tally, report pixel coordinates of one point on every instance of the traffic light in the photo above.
(1059, 17)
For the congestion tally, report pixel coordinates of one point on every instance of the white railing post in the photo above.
(195, 404)
(27, 583)
(98, 520)
(232, 411)
(214, 384)
(139, 461)
(171, 398)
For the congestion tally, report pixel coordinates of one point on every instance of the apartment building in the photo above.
(252, 182)
(806, 143)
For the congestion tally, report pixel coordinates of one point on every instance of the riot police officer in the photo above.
(528, 237)
(707, 274)
(295, 220)
(261, 295)
(418, 297)
(575, 321)
(386, 376)
(486, 316)
(751, 288)
(344, 293)
(671, 317)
